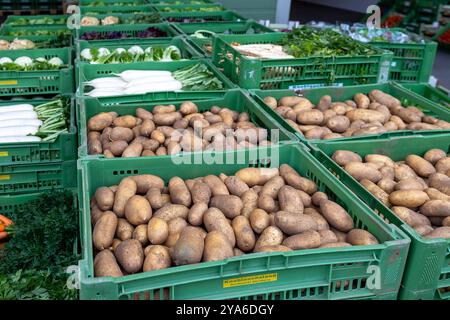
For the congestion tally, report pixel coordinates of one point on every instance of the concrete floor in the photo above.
(305, 12)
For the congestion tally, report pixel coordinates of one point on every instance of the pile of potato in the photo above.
(417, 189)
(166, 130)
(142, 225)
(376, 113)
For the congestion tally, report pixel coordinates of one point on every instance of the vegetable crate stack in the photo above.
(410, 190)
(160, 231)
(299, 60)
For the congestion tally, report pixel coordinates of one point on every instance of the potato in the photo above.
(189, 247)
(105, 265)
(327, 236)
(434, 155)
(96, 214)
(408, 198)
(200, 192)
(179, 192)
(360, 237)
(177, 225)
(436, 208)
(446, 222)
(365, 115)
(423, 229)
(94, 143)
(273, 248)
(338, 124)
(317, 133)
(166, 119)
(138, 210)
(157, 258)
(387, 173)
(237, 252)
(196, 212)
(306, 240)
(188, 107)
(339, 234)
(384, 98)
(293, 223)
(290, 200)
(440, 182)
(391, 126)
(171, 240)
(361, 171)
(292, 178)
(216, 185)
(376, 158)
(146, 181)
(259, 220)
(310, 117)
(256, 176)
(271, 236)
(105, 198)
(157, 231)
(435, 194)
(443, 165)
(340, 108)
(335, 245)
(271, 102)
(321, 222)
(121, 133)
(409, 184)
(104, 231)
(100, 121)
(272, 187)
(386, 184)
(214, 219)
(403, 171)
(442, 232)
(362, 101)
(156, 199)
(133, 150)
(124, 229)
(421, 166)
(217, 247)
(379, 193)
(317, 197)
(293, 100)
(249, 201)
(324, 103)
(130, 255)
(407, 215)
(118, 147)
(172, 211)
(245, 238)
(140, 234)
(267, 203)
(235, 185)
(336, 216)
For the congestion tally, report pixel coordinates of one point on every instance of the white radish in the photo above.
(103, 93)
(18, 131)
(130, 75)
(144, 81)
(106, 82)
(17, 107)
(18, 115)
(14, 139)
(155, 87)
(21, 122)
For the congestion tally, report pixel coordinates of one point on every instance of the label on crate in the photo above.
(5, 177)
(8, 82)
(244, 281)
(315, 85)
(4, 153)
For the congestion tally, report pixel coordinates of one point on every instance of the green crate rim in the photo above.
(13, 18)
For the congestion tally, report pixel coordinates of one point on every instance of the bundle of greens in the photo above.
(133, 54)
(18, 32)
(198, 78)
(306, 42)
(25, 21)
(25, 63)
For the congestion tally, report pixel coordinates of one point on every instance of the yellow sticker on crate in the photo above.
(8, 82)
(5, 177)
(4, 153)
(244, 281)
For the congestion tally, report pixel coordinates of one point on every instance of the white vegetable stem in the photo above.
(18, 115)
(14, 139)
(173, 85)
(17, 107)
(18, 131)
(21, 122)
(130, 75)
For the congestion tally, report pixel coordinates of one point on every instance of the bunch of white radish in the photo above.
(134, 82)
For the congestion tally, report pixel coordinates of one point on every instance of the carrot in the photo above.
(2, 227)
(3, 235)
(6, 221)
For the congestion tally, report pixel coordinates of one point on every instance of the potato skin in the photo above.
(236, 186)
(259, 220)
(105, 265)
(249, 201)
(217, 247)
(172, 211)
(140, 234)
(441, 232)
(245, 238)
(214, 219)
(292, 178)
(335, 245)
(124, 229)
(127, 189)
(157, 231)
(292, 223)
(157, 258)
(179, 192)
(273, 186)
(156, 199)
(130, 255)
(200, 192)
(379, 193)
(104, 231)
(440, 182)
(271, 236)
(196, 212)
(434, 155)
(306, 240)
(189, 247)
(230, 205)
(256, 176)
(290, 200)
(408, 198)
(138, 210)
(336, 216)
(361, 171)
(273, 248)
(105, 198)
(343, 157)
(436, 208)
(321, 222)
(360, 237)
(421, 166)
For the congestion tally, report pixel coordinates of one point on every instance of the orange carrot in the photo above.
(2, 227)
(6, 221)
(3, 235)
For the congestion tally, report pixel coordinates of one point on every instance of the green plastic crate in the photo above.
(427, 270)
(92, 71)
(224, 16)
(204, 8)
(64, 148)
(42, 41)
(130, 29)
(304, 274)
(38, 82)
(431, 93)
(26, 31)
(37, 177)
(12, 203)
(104, 3)
(413, 62)
(345, 93)
(234, 99)
(129, 18)
(116, 9)
(36, 20)
(295, 73)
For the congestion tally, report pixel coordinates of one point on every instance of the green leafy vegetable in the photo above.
(197, 78)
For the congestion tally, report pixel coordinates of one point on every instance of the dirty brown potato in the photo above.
(189, 247)
(130, 255)
(156, 258)
(217, 247)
